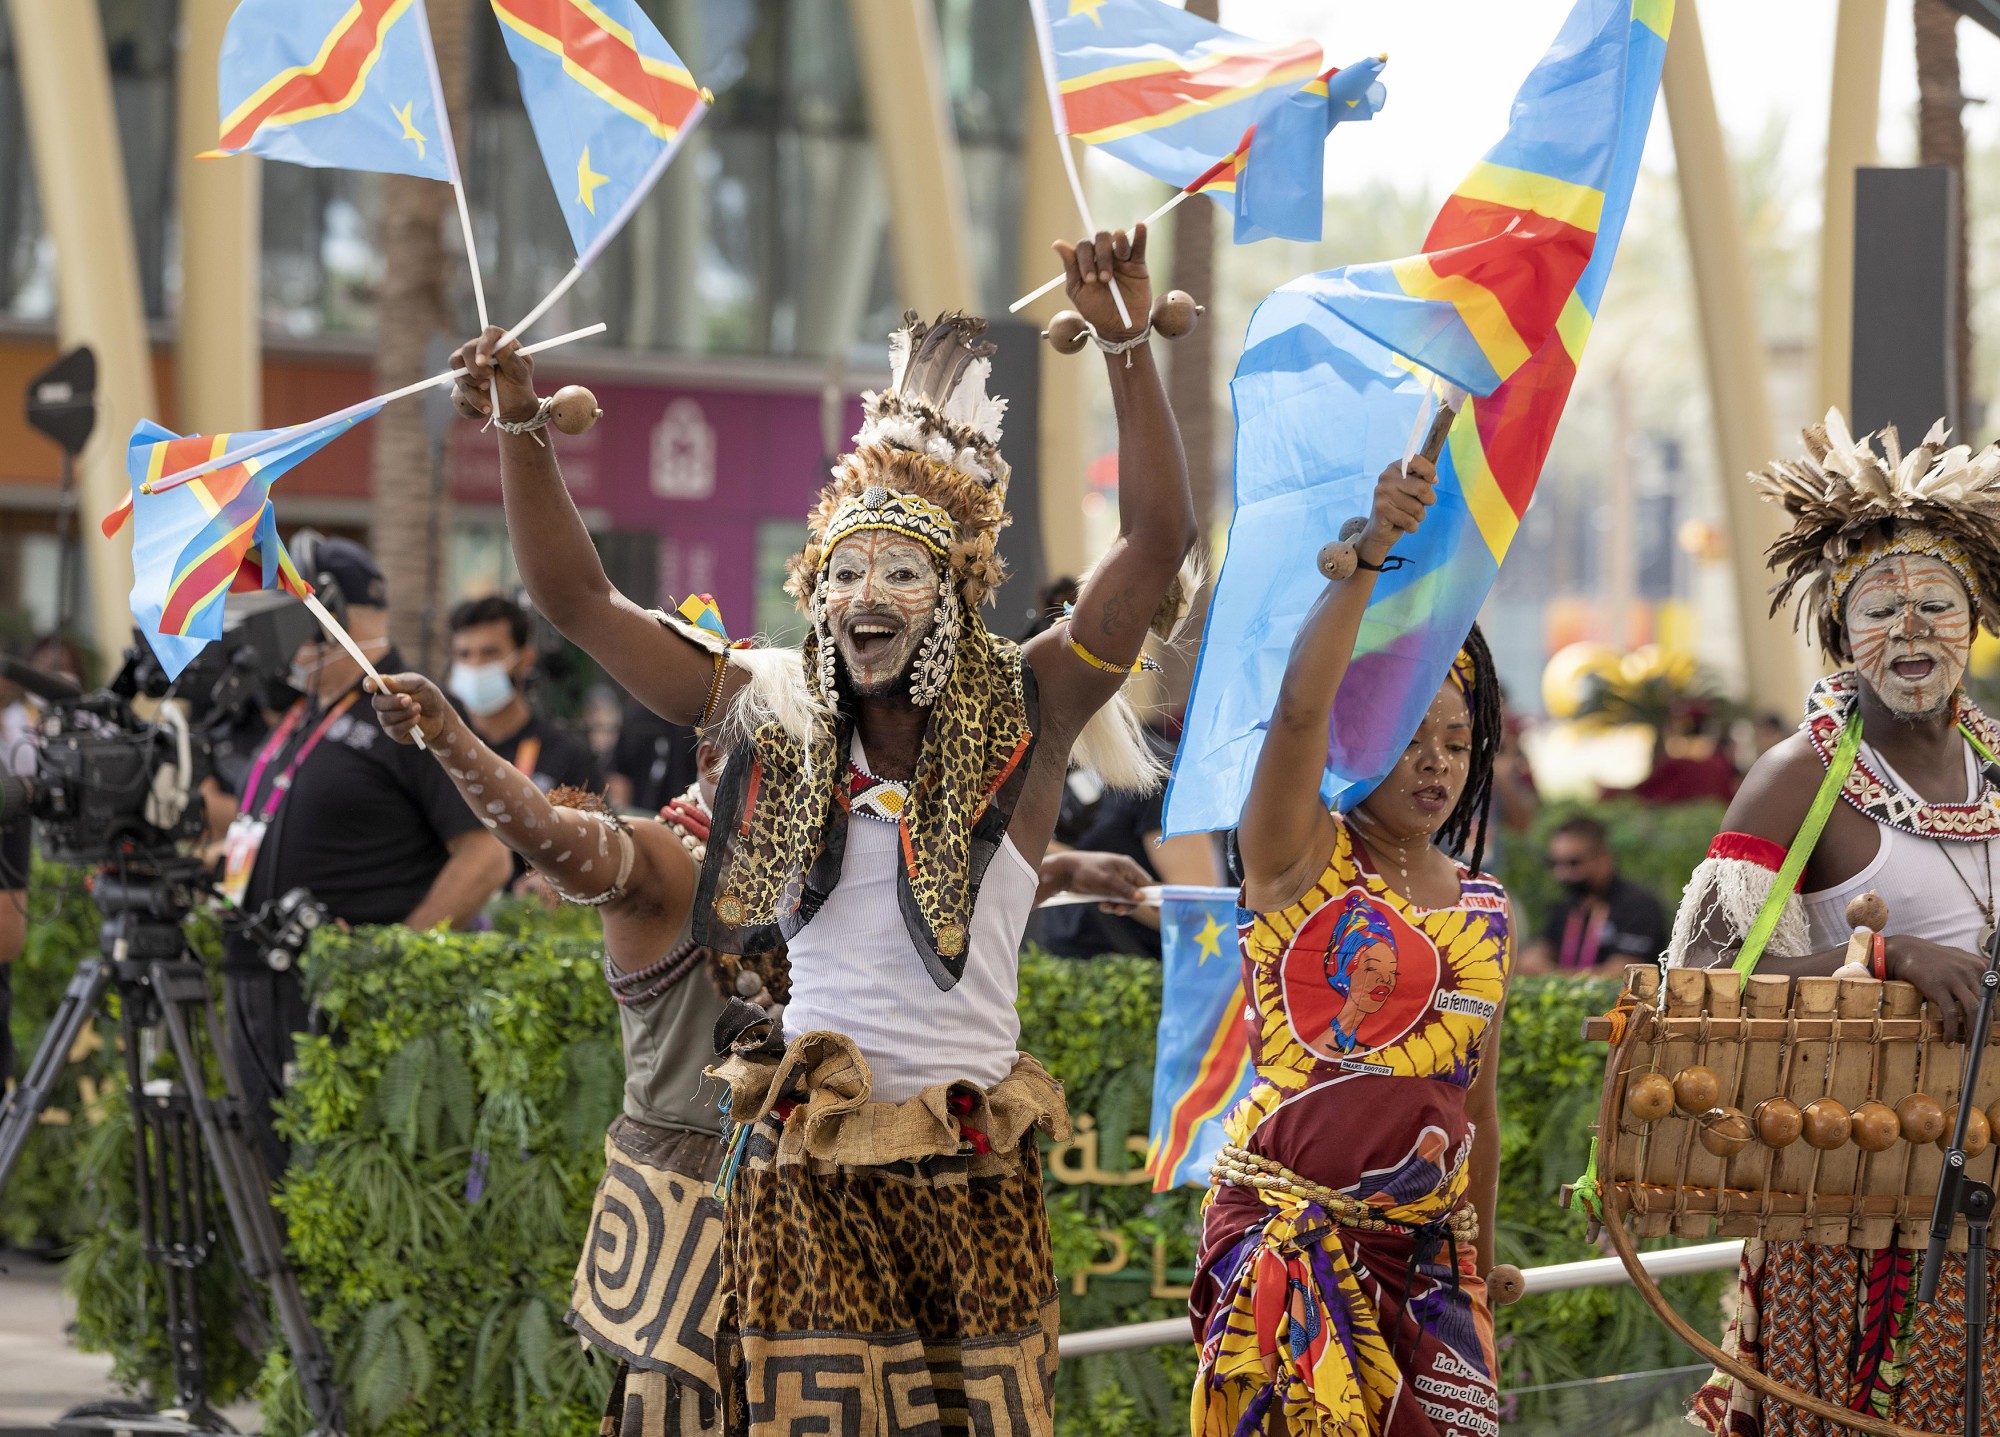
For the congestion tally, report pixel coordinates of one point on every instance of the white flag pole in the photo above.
(340, 635)
(1034, 294)
(292, 433)
(1046, 43)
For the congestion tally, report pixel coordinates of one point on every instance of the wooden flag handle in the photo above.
(340, 635)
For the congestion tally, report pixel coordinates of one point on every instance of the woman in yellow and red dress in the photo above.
(1339, 1287)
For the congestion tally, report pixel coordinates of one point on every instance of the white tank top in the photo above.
(855, 970)
(1915, 878)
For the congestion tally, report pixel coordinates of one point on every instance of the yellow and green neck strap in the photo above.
(1837, 770)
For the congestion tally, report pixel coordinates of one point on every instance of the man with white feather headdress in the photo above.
(1896, 558)
(890, 789)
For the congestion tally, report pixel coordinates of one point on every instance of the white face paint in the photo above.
(881, 600)
(1909, 627)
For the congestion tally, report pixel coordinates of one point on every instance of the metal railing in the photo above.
(1557, 1277)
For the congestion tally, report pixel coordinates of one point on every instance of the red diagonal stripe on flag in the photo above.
(1140, 97)
(608, 59)
(360, 38)
(1531, 268)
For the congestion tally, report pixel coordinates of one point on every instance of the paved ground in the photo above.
(41, 1375)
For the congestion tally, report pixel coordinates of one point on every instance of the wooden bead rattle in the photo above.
(574, 409)
(1068, 332)
(1339, 559)
(1175, 313)
(1505, 1285)
(1867, 915)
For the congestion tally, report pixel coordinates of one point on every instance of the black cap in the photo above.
(352, 570)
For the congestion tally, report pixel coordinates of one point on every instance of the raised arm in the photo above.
(558, 561)
(1156, 524)
(581, 852)
(1286, 831)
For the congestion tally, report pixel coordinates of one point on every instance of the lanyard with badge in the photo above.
(247, 829)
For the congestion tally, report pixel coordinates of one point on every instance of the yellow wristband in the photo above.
(1094, 661)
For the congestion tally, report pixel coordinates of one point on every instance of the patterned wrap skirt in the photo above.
(648, 1288)
(886, 1265)
(1843, 1324)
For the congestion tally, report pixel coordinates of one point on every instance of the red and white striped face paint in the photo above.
(1909, 627)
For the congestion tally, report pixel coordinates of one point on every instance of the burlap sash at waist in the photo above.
(834, 1119)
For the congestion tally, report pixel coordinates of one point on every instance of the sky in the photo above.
(1454, 66)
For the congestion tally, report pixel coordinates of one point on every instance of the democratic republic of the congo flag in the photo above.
(1329, 389)
(337, 84)
(1201, 1063)
(194, 543)
(1272, 182)
(1166, 91)
(610, 102)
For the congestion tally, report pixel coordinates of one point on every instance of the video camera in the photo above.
(119, 772)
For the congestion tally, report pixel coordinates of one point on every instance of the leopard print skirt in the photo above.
(914, 1295)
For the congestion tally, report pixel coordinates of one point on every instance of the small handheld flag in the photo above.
(700, 610)
(335, 84)
(610, 103)
(1338, 367)
(194, 544)
(1201, 1063)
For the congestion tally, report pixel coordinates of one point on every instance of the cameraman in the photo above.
(374, 830)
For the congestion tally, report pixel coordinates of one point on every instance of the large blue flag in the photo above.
(337, 84)
(1201, 1063)
(1333, 383)
(610, 102)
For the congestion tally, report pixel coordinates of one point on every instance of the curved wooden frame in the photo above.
(1608, 1114)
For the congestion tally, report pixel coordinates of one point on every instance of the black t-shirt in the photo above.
(656, 756)
(1118, 823)
(558, 758)
(364, 826)
(1626, 925)
(15, 862)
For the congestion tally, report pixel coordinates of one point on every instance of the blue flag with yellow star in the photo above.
(1201, 1061)
(336, 84)
(610, 102)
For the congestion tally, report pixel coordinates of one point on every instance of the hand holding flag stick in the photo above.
(340, 635)
(285, 436)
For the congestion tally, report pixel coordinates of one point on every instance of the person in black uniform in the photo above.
(372, 829)
(492, 659)
(14, 865)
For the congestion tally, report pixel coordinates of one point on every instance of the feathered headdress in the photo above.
(926, 462)
(1851, 507)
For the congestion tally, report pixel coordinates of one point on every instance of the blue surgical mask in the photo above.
(483, 688)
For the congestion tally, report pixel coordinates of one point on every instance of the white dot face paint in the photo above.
(881, 600)
(1909, 627)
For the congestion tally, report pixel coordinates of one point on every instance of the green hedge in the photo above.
(442, 1293)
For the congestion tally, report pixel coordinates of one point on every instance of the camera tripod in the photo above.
(187, 1145)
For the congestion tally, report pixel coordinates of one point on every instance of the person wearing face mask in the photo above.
(1339, 1279)
(1896, 561)
(491, 662)
(1605, 919)
(330, 804)
(891, 788)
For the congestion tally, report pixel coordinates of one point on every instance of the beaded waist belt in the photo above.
(1243, 1168)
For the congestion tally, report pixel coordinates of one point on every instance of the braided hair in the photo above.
(1468, 819)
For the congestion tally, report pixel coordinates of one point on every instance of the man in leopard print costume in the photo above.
(890, 789)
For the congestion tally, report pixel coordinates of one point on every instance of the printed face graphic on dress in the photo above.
(1909, 627)
(881, 600)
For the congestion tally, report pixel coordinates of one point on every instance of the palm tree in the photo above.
(1941, 141)
(410, 512)
(1191, 378)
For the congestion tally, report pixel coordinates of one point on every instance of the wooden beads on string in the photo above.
(574, 409)
(1339, 558)
(1067, 332)
(1697, 1089)
(1725, 1131)
(1175, 314)
(1779, 1122)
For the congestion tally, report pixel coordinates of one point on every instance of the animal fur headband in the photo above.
(1851, 506)
(926, 462)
